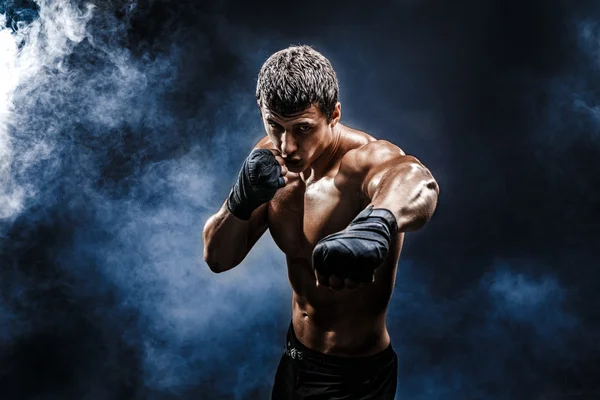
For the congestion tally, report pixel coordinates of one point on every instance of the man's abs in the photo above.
(350, 322)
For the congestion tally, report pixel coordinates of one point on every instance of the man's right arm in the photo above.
(227, 238)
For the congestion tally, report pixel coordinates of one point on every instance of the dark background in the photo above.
(123, 126)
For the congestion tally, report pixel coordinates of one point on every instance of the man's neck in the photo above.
(322, 164)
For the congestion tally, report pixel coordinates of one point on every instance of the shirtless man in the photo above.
(337, 202)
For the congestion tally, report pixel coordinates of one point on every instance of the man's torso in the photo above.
(348, 322)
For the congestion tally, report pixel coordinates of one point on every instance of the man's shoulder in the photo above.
(361, 159)
(377, 151)
(364, 163)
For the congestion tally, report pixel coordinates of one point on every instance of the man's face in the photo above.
(301, 137)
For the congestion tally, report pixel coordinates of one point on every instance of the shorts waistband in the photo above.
(296, 350)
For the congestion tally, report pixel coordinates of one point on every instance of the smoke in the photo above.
(122, 127)
(29, 55)
(106, 183)
(572, 114)
(501, 338)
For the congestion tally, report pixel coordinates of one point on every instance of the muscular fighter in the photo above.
(337, 202)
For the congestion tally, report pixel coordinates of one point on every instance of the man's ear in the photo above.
(336, 114)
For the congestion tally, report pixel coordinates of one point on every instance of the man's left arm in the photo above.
(398, 183)
(403, 196)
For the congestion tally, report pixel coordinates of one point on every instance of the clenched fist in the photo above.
(350, 257)
(262, 174)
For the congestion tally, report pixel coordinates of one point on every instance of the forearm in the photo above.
(410, 192)
(225, 240)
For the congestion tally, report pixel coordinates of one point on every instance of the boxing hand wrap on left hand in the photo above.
(359, 249)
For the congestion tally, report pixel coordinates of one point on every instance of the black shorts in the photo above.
(307, 374)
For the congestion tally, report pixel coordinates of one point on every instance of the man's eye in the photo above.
(274, 126)
(304, 128)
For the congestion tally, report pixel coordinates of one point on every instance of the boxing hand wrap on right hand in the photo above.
(359, 249)
(258, 180)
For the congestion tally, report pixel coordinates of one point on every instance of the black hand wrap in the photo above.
(258, 180)
(356, 251)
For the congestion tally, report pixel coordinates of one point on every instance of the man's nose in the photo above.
(288, 144)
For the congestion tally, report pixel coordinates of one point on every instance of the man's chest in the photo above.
(302, 214)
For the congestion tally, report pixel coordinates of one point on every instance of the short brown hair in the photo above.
(293, 79)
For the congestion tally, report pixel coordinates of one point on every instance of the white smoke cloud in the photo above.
(63, 121)
(521, 293)
(27, 57)
(11, 196)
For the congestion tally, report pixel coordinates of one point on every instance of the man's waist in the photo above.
(347, 339)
